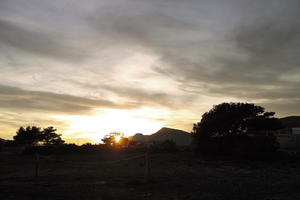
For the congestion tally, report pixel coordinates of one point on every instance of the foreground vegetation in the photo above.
(120, 175)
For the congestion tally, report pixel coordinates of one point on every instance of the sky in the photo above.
(93, 67)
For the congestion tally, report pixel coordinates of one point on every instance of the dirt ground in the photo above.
(173, 176)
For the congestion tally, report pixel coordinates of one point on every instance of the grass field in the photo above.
(173, 176)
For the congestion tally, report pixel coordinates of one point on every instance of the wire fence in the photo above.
(90, 165)
(47, 158)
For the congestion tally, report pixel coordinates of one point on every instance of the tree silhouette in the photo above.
(28, 136)
(31, 135)
(237, 129)
(49, 136)
(235, 119)
(115, 139)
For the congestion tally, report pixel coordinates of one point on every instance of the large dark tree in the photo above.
(229, 119)
(232, 129)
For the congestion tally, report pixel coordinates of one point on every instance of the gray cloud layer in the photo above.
(17, 99)
(246, 50)
(259, 48)
(38, 42)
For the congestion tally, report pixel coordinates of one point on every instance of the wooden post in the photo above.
(36, 163)
(147, 166)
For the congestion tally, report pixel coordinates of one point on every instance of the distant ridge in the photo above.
(291, 121)
(178, 136)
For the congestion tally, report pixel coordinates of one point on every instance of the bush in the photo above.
(244, 147)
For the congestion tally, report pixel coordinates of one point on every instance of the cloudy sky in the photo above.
(95, 66)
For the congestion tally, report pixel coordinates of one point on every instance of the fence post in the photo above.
(36, 163)
(147, 166)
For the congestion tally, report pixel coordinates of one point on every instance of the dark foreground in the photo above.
(173, 176)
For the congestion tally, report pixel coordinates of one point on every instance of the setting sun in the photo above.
(128, 122)
(117, 139)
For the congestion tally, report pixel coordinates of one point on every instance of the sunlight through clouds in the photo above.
(129, 122)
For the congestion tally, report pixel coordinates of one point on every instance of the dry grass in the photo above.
(174, 176)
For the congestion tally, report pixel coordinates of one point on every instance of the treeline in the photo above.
(102, 149)
(34, 139)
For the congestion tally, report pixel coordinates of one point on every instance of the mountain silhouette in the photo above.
(178, 136)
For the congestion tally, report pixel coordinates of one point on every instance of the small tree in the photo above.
(49, 136)
(115, 139)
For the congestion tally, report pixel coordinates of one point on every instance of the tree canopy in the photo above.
(235, 119)
(49, 136)
(32, 135)
(29, 135)
(237, 129)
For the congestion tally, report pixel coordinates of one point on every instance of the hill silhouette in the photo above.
(291, 121)
(178, 136)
